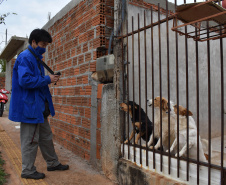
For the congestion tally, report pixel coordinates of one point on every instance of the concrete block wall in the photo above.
(130, 174)
(98, 125)
(79, 38)
(148, 4)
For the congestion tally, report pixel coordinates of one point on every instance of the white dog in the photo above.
(165, 131)
(183, 134)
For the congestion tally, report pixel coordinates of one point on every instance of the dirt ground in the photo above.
(80, 172)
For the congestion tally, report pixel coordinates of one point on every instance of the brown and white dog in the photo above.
(165, 106)
(183, 112)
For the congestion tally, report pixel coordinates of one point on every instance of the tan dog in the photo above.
(183, 112)
(164, 105)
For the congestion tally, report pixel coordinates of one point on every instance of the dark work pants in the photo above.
(41, 135)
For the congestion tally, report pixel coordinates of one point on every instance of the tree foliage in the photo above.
(1, 1)
(2, 65)
(3, 16)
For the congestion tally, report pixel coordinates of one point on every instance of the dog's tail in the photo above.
(205, 146)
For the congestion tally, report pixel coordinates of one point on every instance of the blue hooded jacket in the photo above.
(29, 90)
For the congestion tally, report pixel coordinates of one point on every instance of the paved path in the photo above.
(80, 172)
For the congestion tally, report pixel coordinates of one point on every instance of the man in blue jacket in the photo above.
(31, 103)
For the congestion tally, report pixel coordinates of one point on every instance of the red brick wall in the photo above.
(2, 77)
(2, 81)
(12, 65)
(77, 38)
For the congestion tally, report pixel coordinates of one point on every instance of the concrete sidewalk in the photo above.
(80, 172)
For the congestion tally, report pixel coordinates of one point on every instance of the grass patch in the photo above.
(2, 171)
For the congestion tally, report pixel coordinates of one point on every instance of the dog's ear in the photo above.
(164, 105)
(135, 105)
(184, 112)
(190, 113)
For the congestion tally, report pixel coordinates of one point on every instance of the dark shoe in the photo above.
(35, 175)
(59, 167)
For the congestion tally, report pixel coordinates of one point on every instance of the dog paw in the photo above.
(126, 142)
(151, 147)
(176, 155)
(167, 151)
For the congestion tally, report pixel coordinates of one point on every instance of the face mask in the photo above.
(40, 50)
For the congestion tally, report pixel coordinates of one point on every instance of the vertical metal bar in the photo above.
(197, 95)
(222, 106)
(123, 84)
(209, 104)
(223, 177)
(168, 83)
(177, 93)
(146, 108)
(187, 98)
(187, 103)
(153, 83)
(134, 150)
(127, 46)
(197, 103)
(160, 82)
(139, 85)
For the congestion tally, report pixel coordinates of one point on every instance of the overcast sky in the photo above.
(32, 14)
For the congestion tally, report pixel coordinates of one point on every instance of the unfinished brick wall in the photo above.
(2, 81)
(12, 65)
(79, 38)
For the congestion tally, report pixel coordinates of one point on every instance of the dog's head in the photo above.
(182, 111)
(126, 108)
(158, 103)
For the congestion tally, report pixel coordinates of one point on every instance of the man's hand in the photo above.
(54, 78)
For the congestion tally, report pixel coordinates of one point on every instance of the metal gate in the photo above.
(183, 62)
